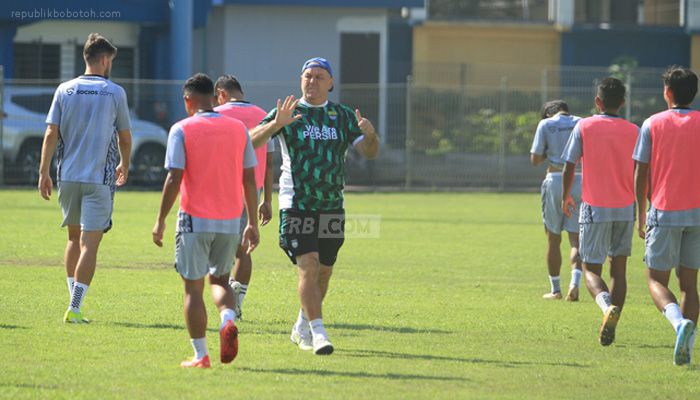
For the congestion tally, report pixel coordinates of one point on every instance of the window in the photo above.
(527, 10)
(36, 61)
(631, 12)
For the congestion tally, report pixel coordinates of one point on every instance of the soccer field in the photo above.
(445, 304)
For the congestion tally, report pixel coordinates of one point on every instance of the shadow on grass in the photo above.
(28, 386)
(294, 371)
(651, 346)
(154, 326)
(5, 326)
(430, 357)
(394, 329)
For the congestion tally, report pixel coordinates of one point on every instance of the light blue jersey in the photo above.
(175, 158)
(89, 110)
(551, 137)
(642, 153)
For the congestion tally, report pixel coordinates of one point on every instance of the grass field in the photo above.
(445, 304)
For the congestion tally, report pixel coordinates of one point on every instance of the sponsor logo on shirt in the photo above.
(71, 91)
(323, 133)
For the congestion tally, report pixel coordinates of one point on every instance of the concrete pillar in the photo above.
(181, 18)
(562, 13)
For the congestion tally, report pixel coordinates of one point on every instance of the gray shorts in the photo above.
(244, 215)
(200, 253)
(86, 204)
(600, 240)
(552, 215)
(670, 246)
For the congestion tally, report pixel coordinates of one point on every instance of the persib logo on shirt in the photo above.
(316, 133)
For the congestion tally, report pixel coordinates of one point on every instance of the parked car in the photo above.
(25, 110)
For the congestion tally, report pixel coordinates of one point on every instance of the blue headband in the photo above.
(318, 62)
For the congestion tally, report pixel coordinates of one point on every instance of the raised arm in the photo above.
(368, 146)
(284, 116)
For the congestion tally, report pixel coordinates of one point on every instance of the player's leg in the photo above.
(242, 269)
(618, 280)
(293, 242)
(240, 278)
(688, 282)
(576, 267)
(553, 265)
(191, 259)
(220, 259)
(196, 321)
(95, 218)
(571, 225)
(310, 294)
(552, 218)
(70, 198)
(620, 250)
(71, 256)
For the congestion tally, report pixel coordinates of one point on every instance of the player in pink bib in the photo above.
(211, 163)
(230, 97)
(668, 142)
(604, 144)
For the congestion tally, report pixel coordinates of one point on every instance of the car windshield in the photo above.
(39, 103)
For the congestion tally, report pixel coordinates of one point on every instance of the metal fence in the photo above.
(449, 127)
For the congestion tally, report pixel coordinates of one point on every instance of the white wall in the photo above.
(119, 33)
(270, 44)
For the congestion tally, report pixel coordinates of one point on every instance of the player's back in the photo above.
(213, 175)
(90, 109)
(674, 137)
(552, 135)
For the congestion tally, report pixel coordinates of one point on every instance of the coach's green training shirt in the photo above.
(313, 156)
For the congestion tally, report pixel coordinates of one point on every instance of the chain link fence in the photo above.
(449, 127)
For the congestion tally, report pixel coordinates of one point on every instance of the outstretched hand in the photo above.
(285, 111)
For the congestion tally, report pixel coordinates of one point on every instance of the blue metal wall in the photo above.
(652, 47)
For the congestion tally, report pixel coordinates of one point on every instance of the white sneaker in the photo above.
(322, 346)
(303, 340)
(236, 286)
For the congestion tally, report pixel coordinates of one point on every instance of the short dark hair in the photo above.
(96, 46)
(611, 92)
(683, 84)
(229, 84)
(550, 108)
(199, 84)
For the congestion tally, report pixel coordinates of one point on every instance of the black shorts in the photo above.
(304, 232)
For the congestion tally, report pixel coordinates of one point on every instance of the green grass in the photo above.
(445, 304)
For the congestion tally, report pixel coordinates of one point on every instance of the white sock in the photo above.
(241, 296)
(71, 282)
(673, 314)
(575, 278)
(603, 301)
(227, 314)
(317, 328)
(200, 348)
(79, 292)
(302, 324)
(555, 283)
